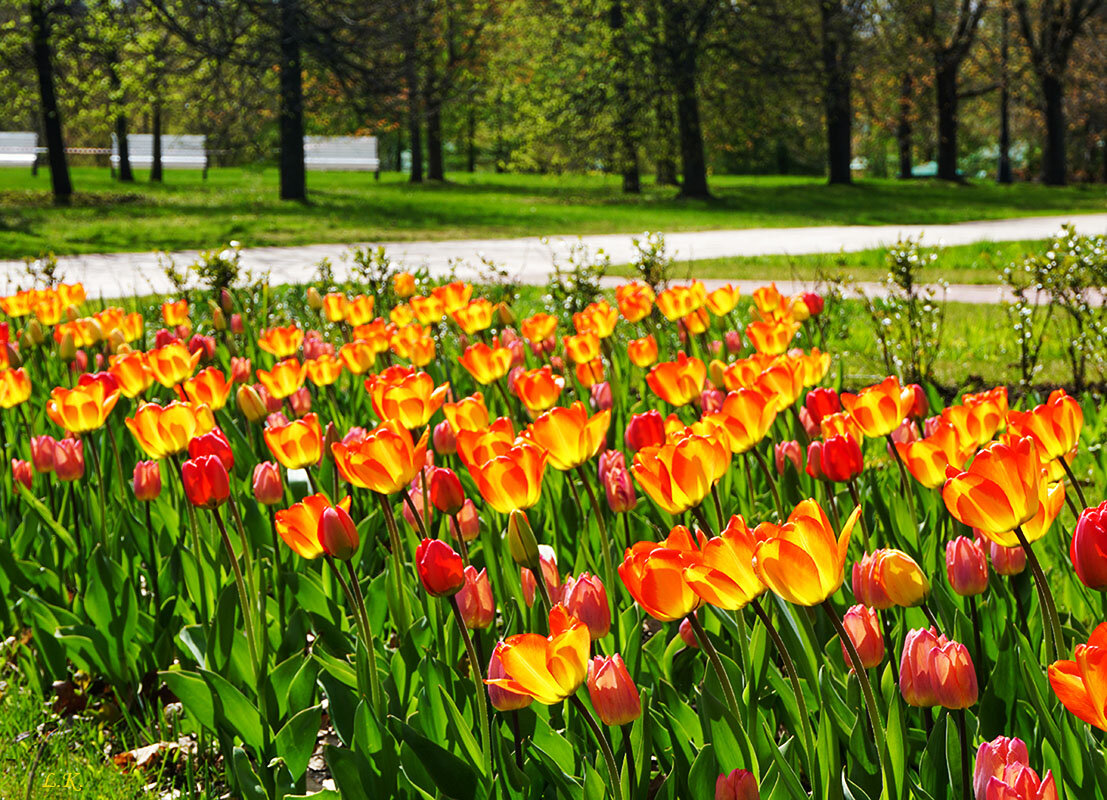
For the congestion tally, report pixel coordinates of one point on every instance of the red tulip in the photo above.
(586, 599)
(42, 453)
(841, 458)
(445, 491)
(815, 460)
(619, 489)
(445, 440)
(822, 403)
(21, 473)
(212, 443)
(69, 459)
(738, 785)
(612, 690)
(863, 627)
(1005, 560)
(966, 566)
(440, 569)
(920, 406)
(337, 533)
(267, 483)
(474, 600)
(645, 430)
(469, 520)
(688, 634)
(548, 561)
(935, 671)
(206, 482)
(1089, 547)
(147, 481)
(788, 451)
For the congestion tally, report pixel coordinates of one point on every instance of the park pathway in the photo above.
(530, 258)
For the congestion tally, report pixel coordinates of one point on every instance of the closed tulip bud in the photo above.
(1005, 560)
(733, 341)
(25, 340)
(688, 634)
(440, 569)
(204, 345)
(300, 400)
(117, 341)
(266, 483)
(619, 489)
(1089, 547)
(212, 443)
(887, 578)
(645, 430)
(612, 690)
(935, 671)
(67, 348)
(822, 403)
(863, 627)
(146, 481)
(814, 303)
(80, 362)
(42, 453)
(601, 396)
(586, 599)
(810, 427)
(445, 491)
(236, 324)
(1003, 773)
(314, 299)
(500, 698)
(815, 460)
(218, 319)
(164, 337)
(784, 452)
(445, 440)
(737, 785)
(241, 369)
(711, 400)
(520, 540)
(610, 459)
(35, 332)
(474, 600)
(548, 559)
(716, 373)
(841, 458)
(21, 473)
(206, 482)
(250, 403)
(920, 406)
(409, 515)
(505, 314)
(337, 533)
(226, 302)
(69, 460)
(469, 521)
(966, 567)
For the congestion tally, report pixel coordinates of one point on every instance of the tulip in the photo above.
(612, 690)
(500, 698)
(475, 448)
(745, 417)
(1005, 560)
(920, 406)
(678, 382)
(250, 403)
(212, 443)
(175, 313)
(722, 574)
(815, 460)
(15, 387)
(1000, 491)
(815, 303)
(337, 533)
(474, 600)
(586, 599)
(538, 389)
(928, 458)
(512, 480)
(645, 430)
(484, 363)
(299, 526)
(589, 373)
(609, 460)
(679, 475)
(357, 356)
(600, 394)
(547, 669)
(935, 671)
(21, 474)
(788, 451)
(206, 483)
(359, 310)
(385, 460)
(172, 363)
(282, 342)
(619, 490)
(889, 578)
(688, 634)
(802, 561)
(598, 318)
(539, 327)
(146, 481)
(440, 568)
(1003, 773)
(822, 403)
(771, 338)
(423, 513)
(300, 401)
(654, 574)
(445, 491)
(863, 627)
(42, 453)
(642, 352)
(285, 378)
(841, 459)
(568, 435)
(966, 567)
(406, 396)
(165, 430)
(445, 441)
(69, 460)
(1080, 684)
(1089, 547)
(635, 300)
(266, 483)
(740, 784)
(297, 444)
(85, 407)
(1054, 426)
(204, 346)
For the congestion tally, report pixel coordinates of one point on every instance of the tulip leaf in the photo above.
(43, 513)
(248, 782)
(358, 776)
(195, 695)
(895, 740)
(463, 730)
(296, 740)
(341, 704)
(702, 776)
(233, 712)
(787, 773)
(454, 777)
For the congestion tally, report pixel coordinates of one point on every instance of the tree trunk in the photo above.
(51, 119)
(155, 164)
(903, 128)
(625, 122)
(414, 104)
(471, 142)
(1003, 168)
(1054, 171)
(945, 84)
(435, 168)
(683, 67)
(293, 177)
(126, 174)
(836, 65)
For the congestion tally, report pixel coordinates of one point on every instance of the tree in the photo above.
(1050, 40)
(41, 21)
(839, 20)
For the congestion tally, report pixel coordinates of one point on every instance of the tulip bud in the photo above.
(266, 483)
(314, 299)
(337, 533)
(841, 458)
(21, 473)
(146, 481)
(935, 671)
(500, 698)
(445, 491)
(117, 341)
(715, 374)
(810, 427)
(619, 489)
(1088, 550)
(225, 300)
(240, 369)
(42, 453)
(440, 569)
(218, 319)
(815, 460)
(1003, 771)
(610, 459)
(601, 396)
(966, 567)
(920, 406)
(822, 402)
(204, 345)
(25, 341)
(300, 400)
(688, 634)
(520, 540)
(35, 332)
(67, 348)
(250, 403)
(1005, 560)
(474, 600)
(887, 578)
(814, 303)
(733, 341)
(738, 785)
(711, 400)
(586, 599)
(69, 459)
(548, 558)
(788, 451)
(863, 627)
(469, 520)
(164, 337)
(212, 443)
(644, 430)
(206, 482)
(236, 324)
(613, 693)
(409, 515)
(505, 314)
(445, 440)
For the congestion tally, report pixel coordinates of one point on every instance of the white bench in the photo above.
(180, 151)
(348, 153)
(18, 148)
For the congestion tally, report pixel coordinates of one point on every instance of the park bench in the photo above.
(178, 151)
(18, 148)
(349, 153)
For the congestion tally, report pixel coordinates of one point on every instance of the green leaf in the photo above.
(234, 713)
(705, 771)
(463, 730)
(453, 777)
(195, 695)
(247, 777)
(296, 740)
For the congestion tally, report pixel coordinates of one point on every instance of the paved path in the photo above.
(530, 258)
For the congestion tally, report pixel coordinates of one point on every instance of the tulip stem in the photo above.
(793, 677)
(605, 747)
(772, 483)
(966, 771)
(246, 559)
(123, 495)
(857, 503)
(884, 617)
(701, 518)
(717, 665)
(243, 598)
(406, 495)
(403, 613)
(365, 630)
(1074, 482)
(905, 483)
(979, 661)
(605, 545)
(719, 518)
(462, 547)
(478, 682)
(933, 620)
(1049, 609)
(862, 678)
(90, 447)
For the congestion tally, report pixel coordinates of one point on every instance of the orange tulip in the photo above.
(546, 668)
(132, 372)
(376, 334)
(655, 574)
(1081, 684)
(538, 389)
(413, 343)
(841, 424)
(467, 414)
(403, 284)
(297, 444)
(359, 310)
(401, 315)
(484, 363)
(679, 475)
(475, 316)
(16, 305)
(323, 370)
(642, 352)
(479, 446)
(131, 325)
(49, 308)
(815, 365)
(598, 318)
(298, 525)
(772, 338)
(678, 382)
(769, 304)
(411, 399)
(357, 356)
(723, 300)
(334, 306)
(743, 373)
(590, 373)
(209, 388)
(801, 560)
(511, 481)
(384, 460)
(453, 295)
(568, 435)
(15, 387)
(85, 407)
(973, 423)
(1054, 426)
(724, 576)
(538, 328)
(635, 301)
(878, 410)
(284, 379)
(697, 322)
(928, 458)
(281, 342)
(1000, 491)
(164, 430)
(1051, 501)
(782, 380)
(744, 419)
(582, 348)
(680, 301)
(172, 363)
(176, 313)
(428, 310)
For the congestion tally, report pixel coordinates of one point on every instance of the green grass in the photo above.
(978, 263)
(242, 204)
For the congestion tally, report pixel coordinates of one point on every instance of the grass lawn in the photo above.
(979, 263)
(242, 204)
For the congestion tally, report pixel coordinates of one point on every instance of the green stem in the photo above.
(1074, 482)
(406, 495)
(605, 747)
(605, 546)
(243, 598)
(1049, 609)
(720, 520)
(90, 448)
(716, 664)
(772, 483)
(853, 493)
(478, 683)
(403, 612)
(904, 480)
(966, 770)
(365, 632)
